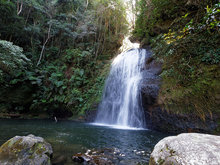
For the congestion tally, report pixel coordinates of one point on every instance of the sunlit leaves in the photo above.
(12, 58)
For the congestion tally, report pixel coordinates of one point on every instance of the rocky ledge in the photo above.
(187, 149)
(22, 150)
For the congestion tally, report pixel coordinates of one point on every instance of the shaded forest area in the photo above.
(54, 54)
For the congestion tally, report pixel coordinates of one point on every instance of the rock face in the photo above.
(187, 149)
(164, 121)
(26, 150)
(161, 120)
(90, 115)
(151, 82)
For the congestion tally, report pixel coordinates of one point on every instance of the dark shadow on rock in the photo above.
(90, 115)
(163, 121)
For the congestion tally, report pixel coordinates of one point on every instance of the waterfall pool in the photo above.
(68, 137)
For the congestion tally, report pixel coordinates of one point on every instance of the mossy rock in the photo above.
(29, 150)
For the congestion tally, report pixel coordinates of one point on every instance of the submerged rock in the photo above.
(26, 150)
(187, 149)
(99, 157)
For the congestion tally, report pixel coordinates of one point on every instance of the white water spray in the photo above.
(121, 102)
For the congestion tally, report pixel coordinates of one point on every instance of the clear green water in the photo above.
(68, 137)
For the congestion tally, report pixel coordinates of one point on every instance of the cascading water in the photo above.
(121, 102)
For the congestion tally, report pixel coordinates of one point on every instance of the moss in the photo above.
(40, 148)
(15, 150)
(196, 98)
(188, 49)
(160, 161)
(152, 161)
(189, 83)
(11, 149)
(12, 144)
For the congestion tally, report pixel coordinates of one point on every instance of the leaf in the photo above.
(43, 101)
(59, 83)
(15, 81)
(81, 72)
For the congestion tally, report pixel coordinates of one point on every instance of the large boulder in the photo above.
(187, 149)
(26, 150)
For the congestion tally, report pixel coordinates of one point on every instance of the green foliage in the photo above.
(152, 14)
(70, 84)
(75, 40)
(212, 57)
(12, 59)
(158, 16)
(211, 18)
(111, 25)
(184, 36)
(209, 21)
(190, 71)
(73, 24)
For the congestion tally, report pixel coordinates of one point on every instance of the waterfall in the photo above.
(121, 102)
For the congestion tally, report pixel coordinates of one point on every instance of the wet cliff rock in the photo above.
(159, 118)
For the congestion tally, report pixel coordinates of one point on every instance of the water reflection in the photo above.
(69, 138)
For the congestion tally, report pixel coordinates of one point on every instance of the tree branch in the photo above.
(42, 50)
(19, 8)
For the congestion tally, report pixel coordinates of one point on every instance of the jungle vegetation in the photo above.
(185, 38)
(54, 54)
